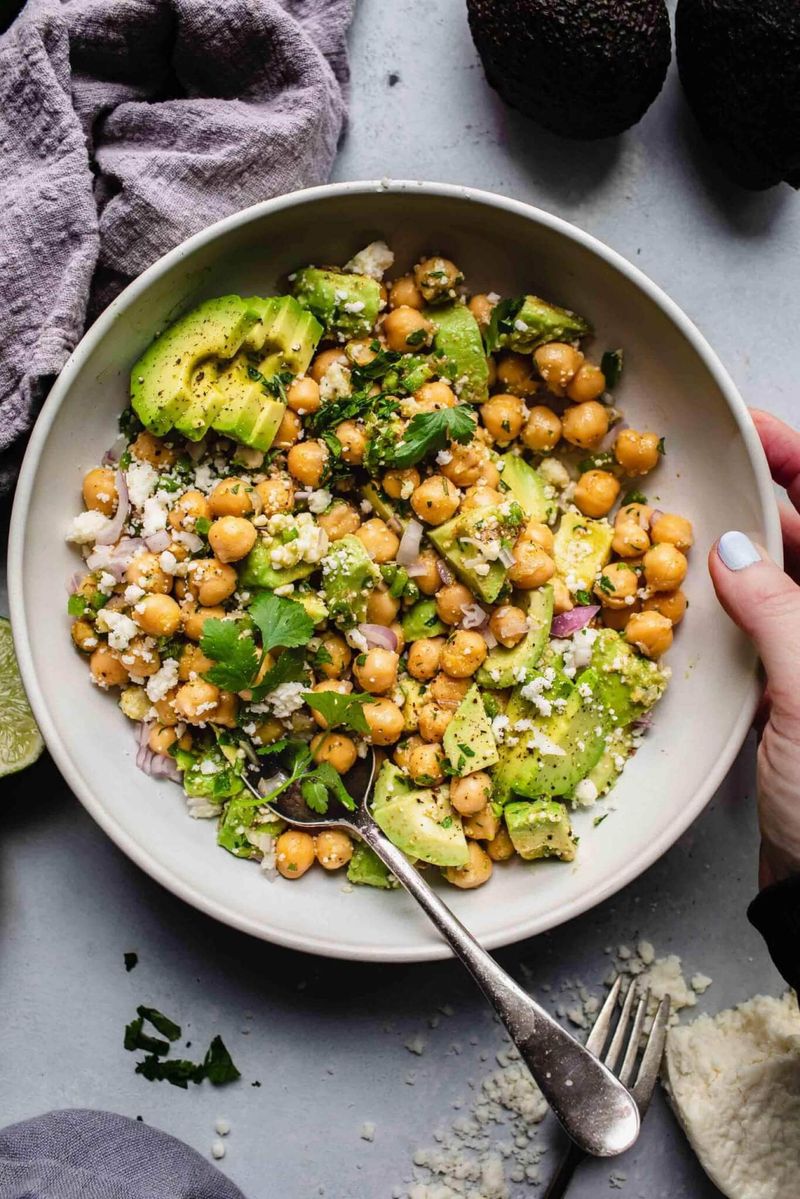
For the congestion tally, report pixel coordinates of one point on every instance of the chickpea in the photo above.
(617, 585)
(145, 571)
(477, 871)
(188, 509)
(385, 721)
(231, 497)
(503, 417)
(397, 629)
(483, 826)
(481, 497)
(148, 448)
(160, 739)
(433, 721)
(339, 653)
(106, 667)
(100, 490)
(451, 601)
(193, 662)
(340, 686)
(275, 495)
(84, 636)
(630, 534)
(596, 492)
(585, 425)
(399, 484)
(650, 632)
(194, 618)
(428, 580)
(437, 278)
(463, 654)
(562, 597)
(501, 847)
(447, 691)
(516, 375)
(672, 529)
(195, 702)
(307, 462)
(490, 475)
(232, 538)
(165, 709)
(424, 658)
(339, 520)
(588, 383)
(403, 750)
(432, 397)
(664, 567)
(302, 395)
(354, 441)
(537, 533)
(637, 453)
(140, 658)
(376, 671)
(672, 604)
(333, 848)
(268, 731)
(294, 853)
(542, 431)
(471, 793)
(378, 540)
(406, 329)
(158, 615)
(509, 625)
(533, 567)
(425, 764)
(557, 363)
(436, 500)
(289, 431)
(617, 618)
(324, 361)
(360, 352)
(227, 710)
(466, 464)
(335, 748)
(404, 293)
(481, 308)
(211, 581)
(382, 607)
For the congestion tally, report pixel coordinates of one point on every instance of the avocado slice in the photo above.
(257, 570)
(504, 667)
(526, 322)
(459, 352)
(527, 487)
(347, 305)
(468, 740)
(628, 684)
(608, 769)
(455, 542)
(366, 869)
(348, 576)
(312, 605)
(161, 380)
(415, 696)
(540, 830)
(422, 620)
(582, 548)
(419, 821)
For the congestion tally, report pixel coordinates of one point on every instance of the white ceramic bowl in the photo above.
(714, 472)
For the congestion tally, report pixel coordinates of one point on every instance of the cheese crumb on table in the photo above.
(217, 1150)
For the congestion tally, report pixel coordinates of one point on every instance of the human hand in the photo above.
(764, 601)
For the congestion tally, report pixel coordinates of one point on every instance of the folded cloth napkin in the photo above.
(99, 1155)
(126, 127)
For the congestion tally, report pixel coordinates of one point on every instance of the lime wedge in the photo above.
(20, 739)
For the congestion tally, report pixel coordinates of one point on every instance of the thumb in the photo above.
(765, 604)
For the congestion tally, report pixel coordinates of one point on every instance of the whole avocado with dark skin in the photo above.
(581, 68)
(739, 63)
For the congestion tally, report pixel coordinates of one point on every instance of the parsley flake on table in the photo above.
(428, 432)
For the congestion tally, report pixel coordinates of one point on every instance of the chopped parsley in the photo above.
(428, 432)
(131, 961)
(281, 622)
(217, 1065)
(662, 446)
(611, 365)
(634, 497)
(201, 526)
(77, 605)
(583, 598)
(502, 322)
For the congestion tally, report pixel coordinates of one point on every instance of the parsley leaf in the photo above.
(634, 497)
(281, 622)
(337, 709)
(502, 322)
(168, 1028)
(131, 959)
(290, 668)
(302, 771)
(218, 1065)
(428, 432)
(136, 1039)
(611, 365)
(231, 645)
(179, 1071)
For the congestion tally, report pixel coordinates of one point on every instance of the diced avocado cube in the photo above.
(422, 620)
(415, 696)
(382, 505)
(524, 323)
(456, 542)
(419, 821)
(366, 869)
(527, 487)
(540, 830)
(257, 570)
(504, 667)
(412, 371)
(348, 576)
(312, 605)
(628, 684)
(610, 766)
(582, 548)
(208, 774)
(346, 304)
(468, 740)
(458, 351)
(240, 817)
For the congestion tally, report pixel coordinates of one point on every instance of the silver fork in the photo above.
(643, 1087)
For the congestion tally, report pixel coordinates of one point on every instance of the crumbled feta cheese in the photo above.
(86, 527)
(222, 1126)
(217, 1150)
(499, 727)
(319, 500)
(354, 306)
(374, 260)
(335, 383)
(106, 582)
(208, 766)
(120, 628)
(154, 517)
(168, 562)
(204, 477)
(585, 793)
(141, 479)
(161, 683)
(367, 1131)
(545, 745)
(310, 543)
(286, 699)
(357, 640)
(554, 472)
(443, 457)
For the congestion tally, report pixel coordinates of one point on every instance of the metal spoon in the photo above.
(592, 1105)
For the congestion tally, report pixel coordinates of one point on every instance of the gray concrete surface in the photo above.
(325, 1040)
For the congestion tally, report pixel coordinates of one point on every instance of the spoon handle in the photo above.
(592, 1105)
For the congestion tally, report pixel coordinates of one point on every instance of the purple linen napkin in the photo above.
(126, 126)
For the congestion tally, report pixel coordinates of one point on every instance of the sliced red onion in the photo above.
(567, 623)
(115, 559)
(163, 766)
(488, 636)
(113, 530)
(159, 541)
(474, 616)
(158, 766)
(655, 515)
(415, 569)
(645, 721)
(445, 573)
(114, 452)
(266, 786)
(378, 636)
(74, 582)
(506, 557)
(408, 550)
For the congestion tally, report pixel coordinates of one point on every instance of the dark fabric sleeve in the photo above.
(775, 912)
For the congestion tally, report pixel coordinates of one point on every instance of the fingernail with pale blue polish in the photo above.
(737, 551)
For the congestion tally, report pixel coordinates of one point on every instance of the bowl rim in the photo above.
(536, 922)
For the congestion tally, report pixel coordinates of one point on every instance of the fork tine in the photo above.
(602, 1025)
(644, 1086)
(629, 1061)
(620, 1034)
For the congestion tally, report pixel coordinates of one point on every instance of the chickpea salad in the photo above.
(388, 512)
